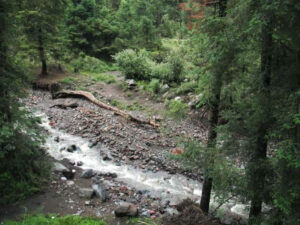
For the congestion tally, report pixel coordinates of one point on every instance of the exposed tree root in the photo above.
(91, 98)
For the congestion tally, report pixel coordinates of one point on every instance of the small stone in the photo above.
(79, 163)
(56, 139)
(63, 179)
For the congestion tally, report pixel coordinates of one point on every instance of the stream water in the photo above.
(161, 184)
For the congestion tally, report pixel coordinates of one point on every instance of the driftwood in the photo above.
(91, 98)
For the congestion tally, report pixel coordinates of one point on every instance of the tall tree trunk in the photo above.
(42, 53)
(258, 161)
(212, 135)
(213, 123)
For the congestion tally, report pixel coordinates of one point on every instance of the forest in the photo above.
(156, 112)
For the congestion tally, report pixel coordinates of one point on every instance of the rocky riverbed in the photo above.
(106, 165)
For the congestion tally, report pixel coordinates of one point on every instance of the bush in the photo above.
(186, 87)
(177, 109)
(154, 86)
(161, 71)
(135, 65)
(177, 68)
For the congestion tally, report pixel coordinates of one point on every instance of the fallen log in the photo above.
(91, 98)
(65, 106)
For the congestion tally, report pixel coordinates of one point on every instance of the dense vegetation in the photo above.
(242, 56)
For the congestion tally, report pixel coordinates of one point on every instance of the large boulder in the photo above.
(126, 209)
(87, 174)
(58, 167)
(100, 192)
(86, 192)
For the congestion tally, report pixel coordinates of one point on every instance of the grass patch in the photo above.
(69, 80)
(140, 221)
(177, 109)
(102, 77)
(55, 220)
(133, 107)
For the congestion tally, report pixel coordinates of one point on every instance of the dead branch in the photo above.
(91, 98)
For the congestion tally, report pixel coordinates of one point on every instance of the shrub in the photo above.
(135, 65)
(154, 86)
(186, 87)
(177, 68)
(161, 71)
(177, 109)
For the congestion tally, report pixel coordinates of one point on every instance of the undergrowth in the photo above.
(54, 220)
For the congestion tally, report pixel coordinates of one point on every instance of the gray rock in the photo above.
(126, 209)
(178, 98)
(58, 167)
(131, 84)
(87, 174)
(73, 148)
(79, 163)
(93, 144)
(99, 192)
(86, 192)
(165, 87)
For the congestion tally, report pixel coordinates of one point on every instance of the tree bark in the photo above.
(258, 161)
(212, 135)
(42, 53)
(91, 98)
(213, 123)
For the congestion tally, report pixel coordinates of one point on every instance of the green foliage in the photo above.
(154, 86)
(141, 221)
(186, 87)
(86, 63)
(139, 66)
(55, 220)
(91, 28)
(109, 79)
(135, 65)
(176, 65)
(177, 109)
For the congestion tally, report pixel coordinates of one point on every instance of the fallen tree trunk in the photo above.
(91, 98)
(65, 106)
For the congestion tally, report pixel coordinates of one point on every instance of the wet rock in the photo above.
(93, 144)
(79, 163)
(69, 174)
(100, 192)
(86, 192)
(56, 139)
(58, 167)
(87, 174)
(72, 148)
(126, 209)
(106, 157)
